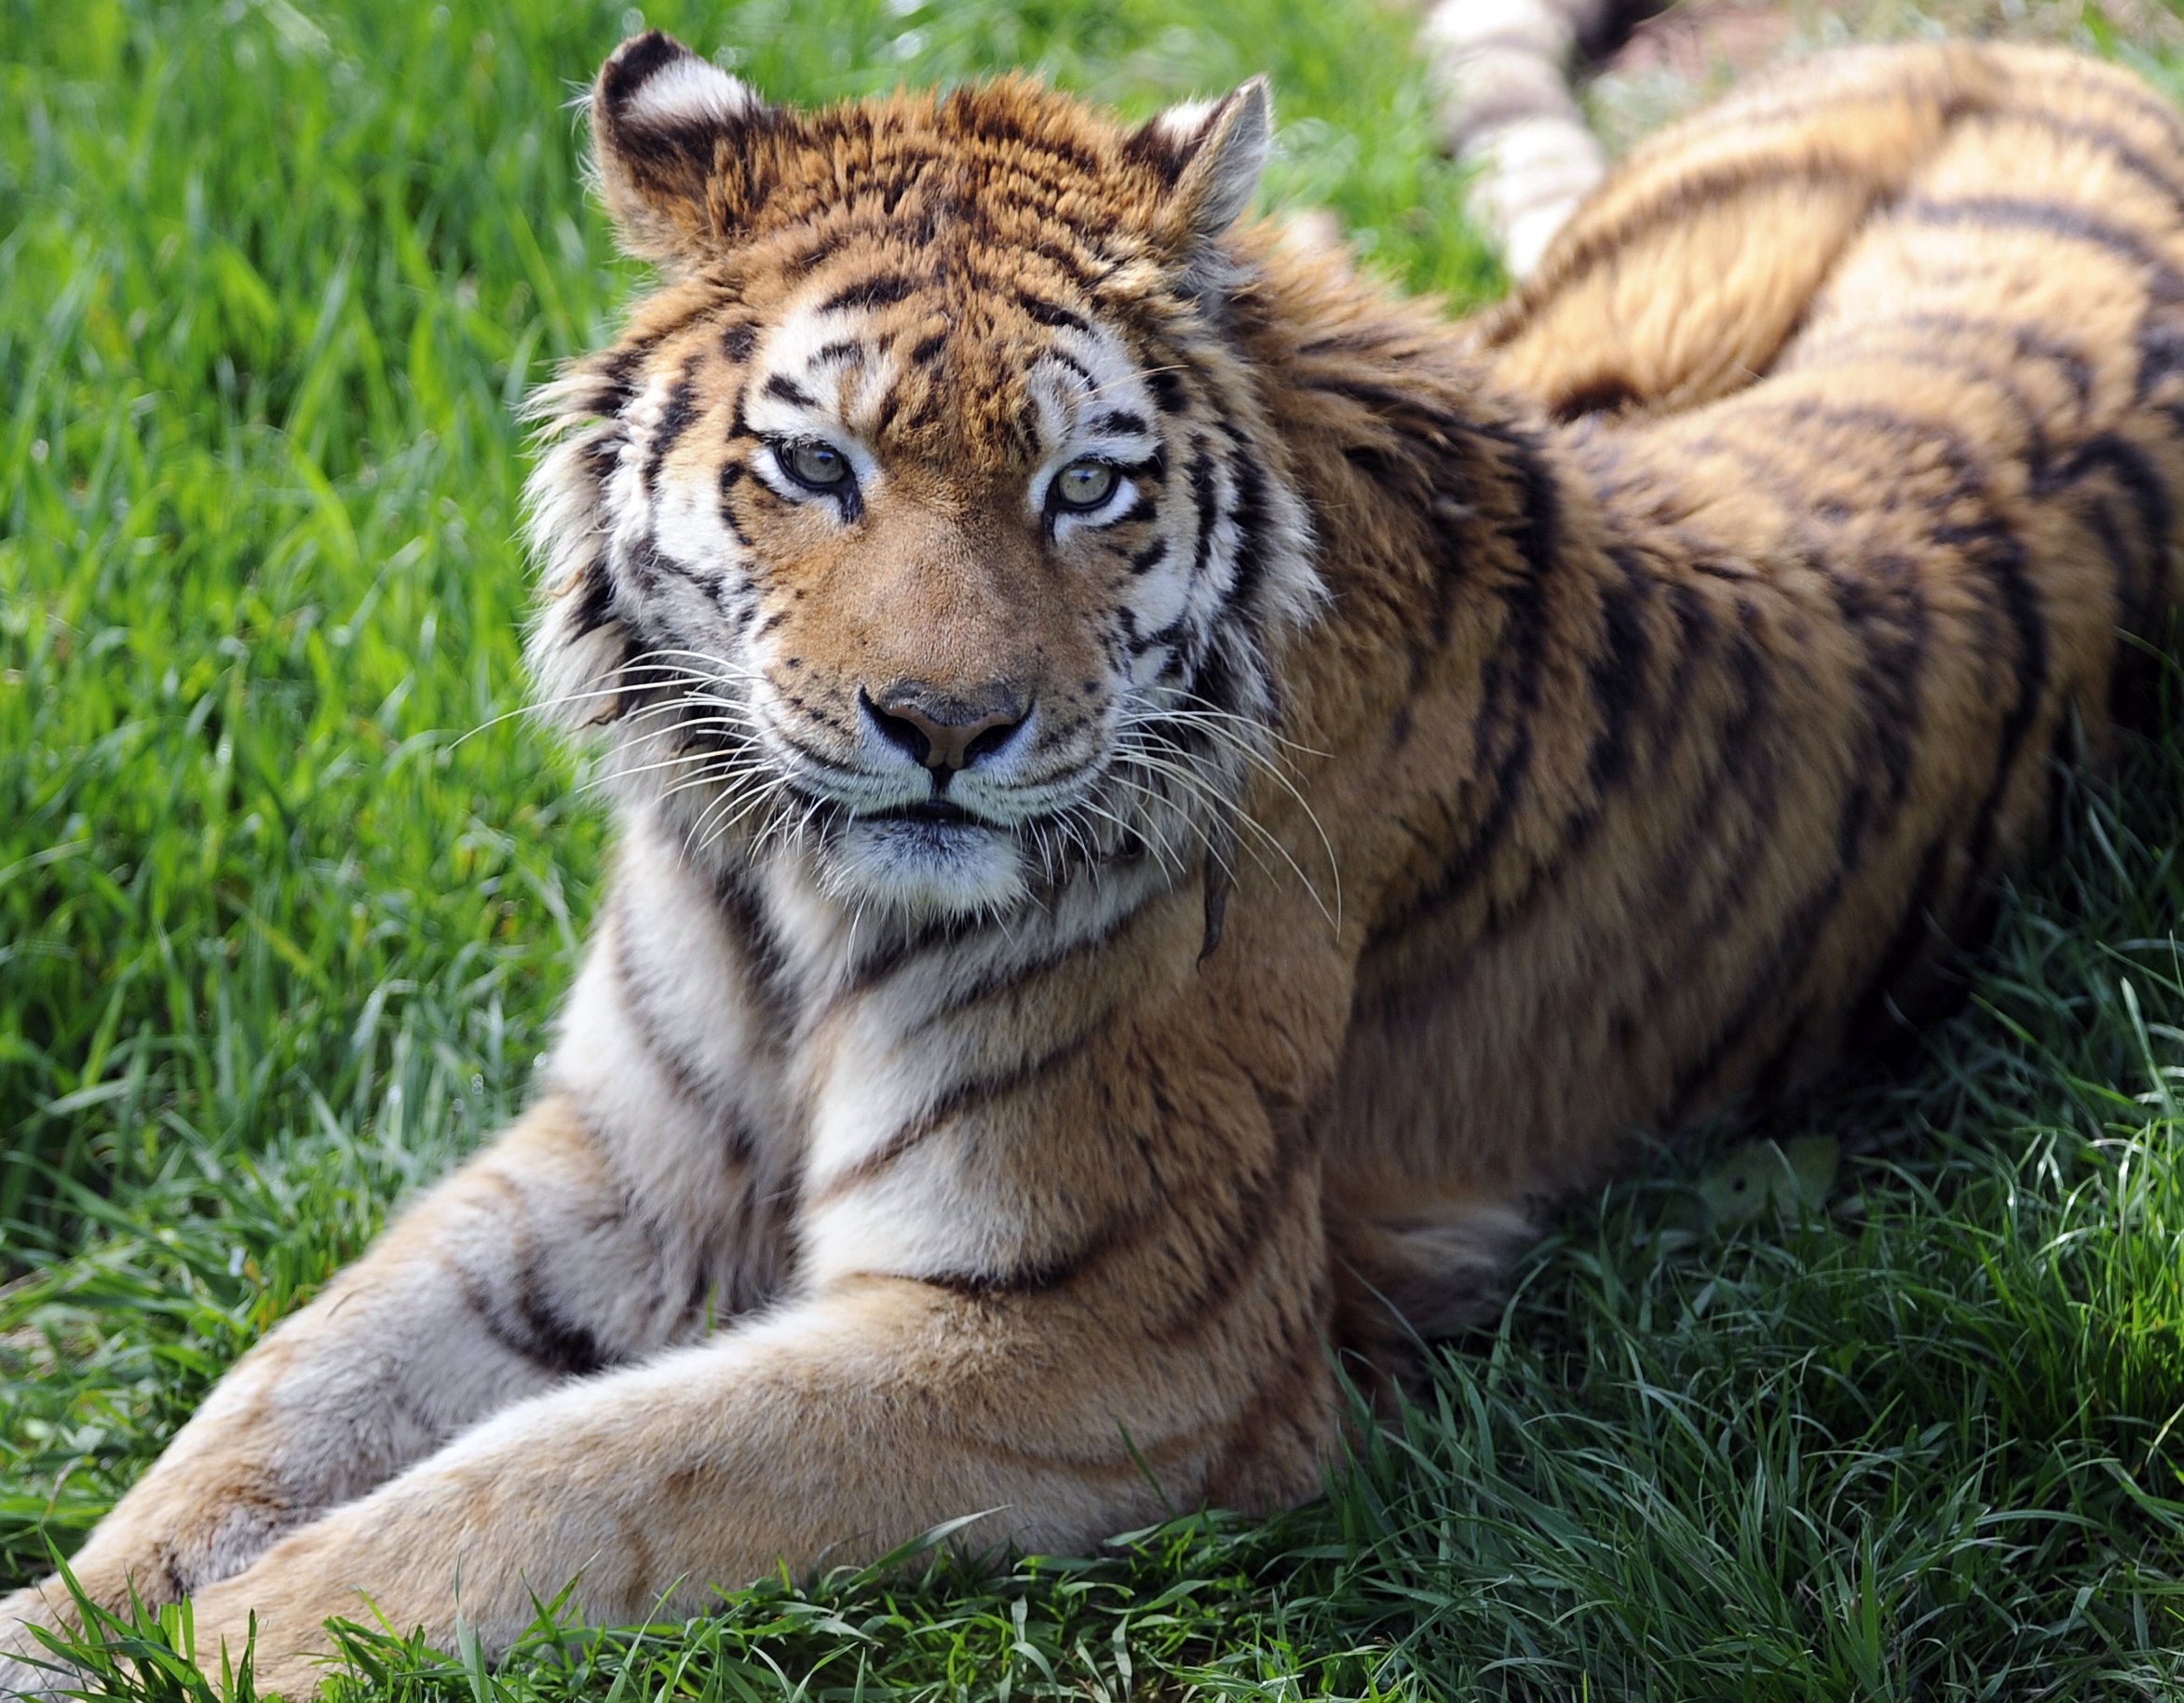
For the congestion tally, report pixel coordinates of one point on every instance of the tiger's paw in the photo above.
(27, 1669)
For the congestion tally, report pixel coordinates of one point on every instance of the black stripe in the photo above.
(2141, 590)
(2086, 76)
(1152, 469)
(1069, 363)
(1697, 630)
(1010, 978)
(1227, 1237)
(1745, 769)
(789, 391)
(744, 915)
(1119, 420)
(1052, 312)
(881, 292)
(1857, 347)
(816, 255)
(1152, 148)
(1781, 969)
(1883, 605)
(1219, 1258)
(976, 1093)
(2054, 219)
(1081, 266)
(889, 954)
(1150, 558)
(601, 453)
(731, 476)
(617, 371)
(691, 1080)
(595, 601)
(558, 1342)
(532, 1327)
(647, 565)
(1617, 675)
(2032, 342)
(1742, 769)
(635, 64)
(2107, 138)
(972, 110)
(617, 374)
(674, 420)
(1205, 500)
(1250, 516)
(1779, 1070)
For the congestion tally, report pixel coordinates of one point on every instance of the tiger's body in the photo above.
(1083, 941)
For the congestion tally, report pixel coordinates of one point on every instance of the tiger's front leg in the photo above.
(1048, 1239)
(588, 1237)
(830, 1432)
(480, 1297)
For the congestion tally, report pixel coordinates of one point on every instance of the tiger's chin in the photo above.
(924, 867)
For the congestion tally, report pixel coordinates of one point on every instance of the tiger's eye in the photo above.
(820, 466)
(1084, 484)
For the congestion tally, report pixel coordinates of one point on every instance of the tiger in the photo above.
(1173, 799)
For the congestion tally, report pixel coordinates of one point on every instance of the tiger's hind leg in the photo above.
(1405, 1277)
(1681, 280)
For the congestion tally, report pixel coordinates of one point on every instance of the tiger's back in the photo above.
(1873, 371)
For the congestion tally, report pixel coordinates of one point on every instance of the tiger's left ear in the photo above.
(1210, 154)
(674, 137)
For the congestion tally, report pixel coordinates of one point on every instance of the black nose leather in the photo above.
(947, 731)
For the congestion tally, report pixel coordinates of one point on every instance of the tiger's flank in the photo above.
(1171, 798)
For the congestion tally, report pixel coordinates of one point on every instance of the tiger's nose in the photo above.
(947, 731)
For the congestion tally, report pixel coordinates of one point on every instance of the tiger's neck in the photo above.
(1459, 544)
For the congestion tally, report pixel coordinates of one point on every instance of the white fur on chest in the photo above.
(686, 1038)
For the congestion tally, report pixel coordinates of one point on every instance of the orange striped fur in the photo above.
(1168, 793)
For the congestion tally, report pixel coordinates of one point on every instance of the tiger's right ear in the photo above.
(672, 134)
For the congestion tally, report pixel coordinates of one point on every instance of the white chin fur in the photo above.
(926, 869)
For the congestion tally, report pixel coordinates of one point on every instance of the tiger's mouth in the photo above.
(929, 812)
(932, 858)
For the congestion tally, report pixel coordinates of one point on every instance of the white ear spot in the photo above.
(1179, 125)
(688, 91)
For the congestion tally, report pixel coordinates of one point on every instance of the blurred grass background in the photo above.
(1884, 1409)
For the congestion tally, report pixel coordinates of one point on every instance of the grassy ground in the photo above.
(1887, 1410)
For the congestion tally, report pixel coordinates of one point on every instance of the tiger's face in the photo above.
(923, 532)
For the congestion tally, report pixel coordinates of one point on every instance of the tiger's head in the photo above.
(925, 529)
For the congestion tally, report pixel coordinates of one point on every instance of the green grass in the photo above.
(1898, 1415)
